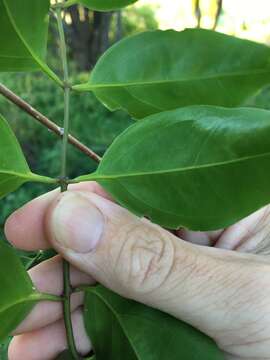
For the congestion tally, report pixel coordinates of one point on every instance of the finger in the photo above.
(48, 278)
(142, 261)
(46, 343)
(207, 238)
(248, 235)
(25, 228)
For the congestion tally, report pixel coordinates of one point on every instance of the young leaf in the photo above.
(17, 293)
(200, 167)
(101, 5)
(14, 170)
(163, 70)
(23, 35)
(123, 329)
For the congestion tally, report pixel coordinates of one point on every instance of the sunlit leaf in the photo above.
(14, 170)
(163, 70)
(200, 167)
(123, 329)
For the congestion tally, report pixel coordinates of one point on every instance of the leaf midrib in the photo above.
(29, 176)
(32, 297)
(17, 174)
(98, 176)
(25, 44)
(15, 57)
(171, 81)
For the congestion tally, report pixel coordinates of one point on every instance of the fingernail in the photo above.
(76, 223)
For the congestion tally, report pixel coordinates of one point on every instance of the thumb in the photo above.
(142, 261)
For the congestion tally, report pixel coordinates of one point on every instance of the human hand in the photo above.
(222, 288)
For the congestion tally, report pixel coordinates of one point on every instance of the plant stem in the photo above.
(45, 297)
(65, 140)
(66, 267)
(42, 119)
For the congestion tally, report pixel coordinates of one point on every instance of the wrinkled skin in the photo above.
(222, 287)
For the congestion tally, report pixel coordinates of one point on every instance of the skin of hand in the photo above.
(219, 282)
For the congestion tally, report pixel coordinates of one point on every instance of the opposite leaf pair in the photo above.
(211, 156)
(130, 325)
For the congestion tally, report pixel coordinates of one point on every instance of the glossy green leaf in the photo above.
(123, 329)
(17, 295)
(163, 70)
(102, 5)
(200, 167)
(14, 170)
(23, 35)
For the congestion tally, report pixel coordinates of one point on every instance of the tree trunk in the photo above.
(219, 10)
(119, 26)
(198, 13)
(99, 40)
(89, 35)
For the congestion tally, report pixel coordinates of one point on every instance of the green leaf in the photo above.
(200, 167)
(4, 349)
(14, 170)
(101, 5)
(23, 35)
(17, 295)
(162, 70)
(123, 329)
(65, 355)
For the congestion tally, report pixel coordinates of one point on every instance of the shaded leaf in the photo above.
(18, 295)
(4, 349)
(65, 355)
(200, 167)
(163, 70)
(14, 170)
(123, 329)
(23, 35)
(102, 5)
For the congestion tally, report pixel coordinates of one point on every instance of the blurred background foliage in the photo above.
(89, 35)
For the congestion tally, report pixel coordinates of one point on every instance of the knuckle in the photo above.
(145, 259)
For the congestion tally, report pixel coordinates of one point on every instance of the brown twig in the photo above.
(15, 99)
